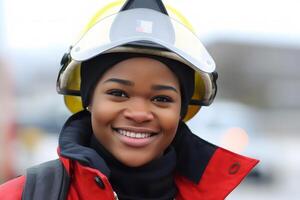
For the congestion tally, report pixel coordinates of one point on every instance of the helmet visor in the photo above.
(148, 26)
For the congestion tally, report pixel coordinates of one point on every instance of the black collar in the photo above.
(154, 180)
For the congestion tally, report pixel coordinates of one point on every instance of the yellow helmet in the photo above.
(140, 27)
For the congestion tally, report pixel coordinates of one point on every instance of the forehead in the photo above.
(144, 68)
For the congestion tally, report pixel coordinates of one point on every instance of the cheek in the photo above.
(103, 115)
(103, 112)
(169, 120)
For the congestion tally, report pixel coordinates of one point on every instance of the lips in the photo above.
(135, 137)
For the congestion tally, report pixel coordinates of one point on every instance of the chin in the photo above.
(135, 161)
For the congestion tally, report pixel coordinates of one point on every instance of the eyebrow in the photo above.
(121, 81)
(164, 87)
(130, 83)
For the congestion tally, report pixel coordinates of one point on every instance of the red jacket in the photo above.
(224, 172)
(220, 170)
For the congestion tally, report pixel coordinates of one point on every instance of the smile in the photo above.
(131, 134)
(136, 137)
(135, 133)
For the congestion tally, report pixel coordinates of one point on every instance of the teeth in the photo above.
(133, 134)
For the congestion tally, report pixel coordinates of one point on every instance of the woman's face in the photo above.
(135, 110)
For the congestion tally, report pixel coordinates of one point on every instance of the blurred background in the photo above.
(256, 46)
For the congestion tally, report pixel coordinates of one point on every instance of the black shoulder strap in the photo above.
(47, 181)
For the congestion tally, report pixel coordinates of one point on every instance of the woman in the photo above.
(138, 86)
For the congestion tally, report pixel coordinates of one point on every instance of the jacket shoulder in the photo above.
(224, 173)
(12, 190)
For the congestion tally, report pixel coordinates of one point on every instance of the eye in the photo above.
(162, 99)
(117, 93)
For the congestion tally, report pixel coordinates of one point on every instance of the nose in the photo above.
(138, 112)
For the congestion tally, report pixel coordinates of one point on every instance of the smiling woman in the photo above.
(139, 75)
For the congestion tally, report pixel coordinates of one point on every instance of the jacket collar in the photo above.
(74, 140)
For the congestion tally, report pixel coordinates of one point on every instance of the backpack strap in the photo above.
(47, 181)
